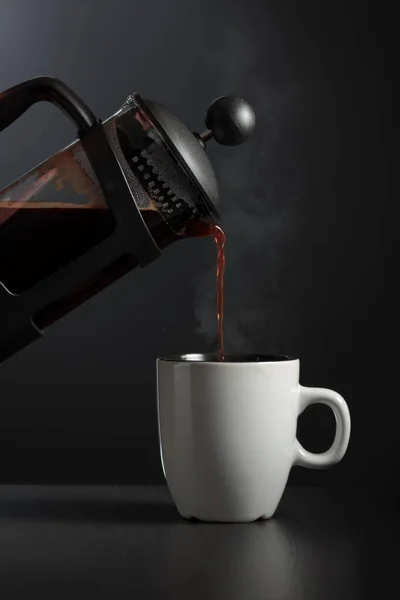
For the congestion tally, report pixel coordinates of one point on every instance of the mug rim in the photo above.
(229, 359)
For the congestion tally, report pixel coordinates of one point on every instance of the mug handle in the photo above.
(302, 457)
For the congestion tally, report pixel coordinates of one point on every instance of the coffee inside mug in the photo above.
(229, 358)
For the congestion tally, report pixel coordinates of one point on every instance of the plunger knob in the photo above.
(230, 120)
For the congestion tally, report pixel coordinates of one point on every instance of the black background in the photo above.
(309, 206)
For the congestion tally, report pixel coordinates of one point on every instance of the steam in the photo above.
(261, 187)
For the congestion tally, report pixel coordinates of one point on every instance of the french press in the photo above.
(108, 202)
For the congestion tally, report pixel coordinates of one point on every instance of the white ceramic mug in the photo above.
(228, 433)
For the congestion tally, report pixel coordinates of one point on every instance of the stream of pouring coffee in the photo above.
(202, 229)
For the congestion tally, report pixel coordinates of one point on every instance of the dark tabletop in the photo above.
(128, 542)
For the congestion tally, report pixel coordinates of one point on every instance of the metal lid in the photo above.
(230, 120)
(190, 153)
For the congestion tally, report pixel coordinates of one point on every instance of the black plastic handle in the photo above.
(16, 100)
